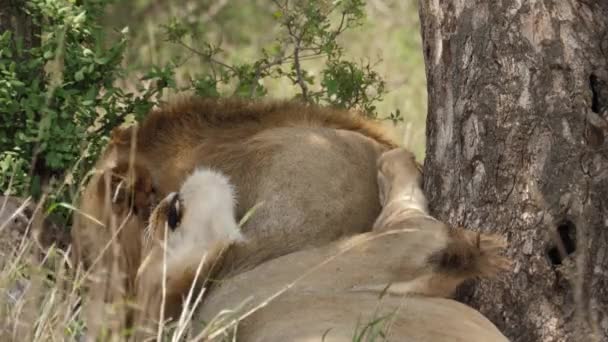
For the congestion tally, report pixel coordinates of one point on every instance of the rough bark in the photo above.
(516, 144)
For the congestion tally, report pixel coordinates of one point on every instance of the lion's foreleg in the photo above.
(401, 194)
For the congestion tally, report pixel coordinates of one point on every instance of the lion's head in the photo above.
(194, 219)
(187, 234)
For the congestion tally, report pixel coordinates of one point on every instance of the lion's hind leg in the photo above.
(445, 256)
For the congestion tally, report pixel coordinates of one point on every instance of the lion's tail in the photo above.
(467, 255)
(471, 254)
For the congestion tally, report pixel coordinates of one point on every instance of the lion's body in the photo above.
(339, 292)
(298, 162)
(342, 317)
(311, 169)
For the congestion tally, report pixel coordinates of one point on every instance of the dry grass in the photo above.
(39, 299)
(43, 296)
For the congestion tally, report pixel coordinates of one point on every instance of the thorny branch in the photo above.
(297, 41)
(207, 56)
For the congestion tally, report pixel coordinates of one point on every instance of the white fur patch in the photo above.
(208, 215)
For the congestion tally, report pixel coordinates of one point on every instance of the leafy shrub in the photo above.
(309, 31)
(58, 100)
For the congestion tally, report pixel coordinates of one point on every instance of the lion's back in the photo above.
(311, 169)
(318, 185)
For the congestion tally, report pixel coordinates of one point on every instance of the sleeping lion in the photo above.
(309, 171)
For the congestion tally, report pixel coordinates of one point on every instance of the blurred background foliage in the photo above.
(102, 63)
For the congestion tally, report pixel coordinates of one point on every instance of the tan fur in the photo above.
(403, 270)
(297, 161)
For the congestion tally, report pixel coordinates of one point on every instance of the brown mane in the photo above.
(205, 118)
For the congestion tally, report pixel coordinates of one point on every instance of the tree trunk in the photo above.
(516, 144)
(14, 18)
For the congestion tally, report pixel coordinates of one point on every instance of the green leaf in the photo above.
(79, 75)
(80, 18)
(102, 60)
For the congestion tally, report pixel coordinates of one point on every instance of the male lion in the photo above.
(310, 169)
(398, 275)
